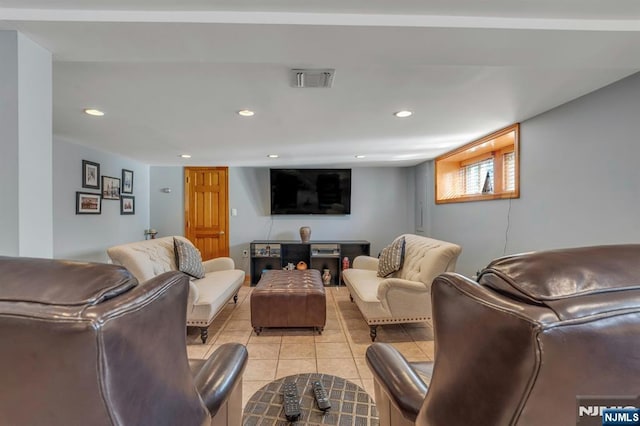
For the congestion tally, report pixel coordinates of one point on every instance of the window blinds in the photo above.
(509, 171)
(475, 174)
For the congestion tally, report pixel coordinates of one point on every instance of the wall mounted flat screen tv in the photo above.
(310, 191)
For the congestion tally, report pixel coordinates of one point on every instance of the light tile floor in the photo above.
(339, 350)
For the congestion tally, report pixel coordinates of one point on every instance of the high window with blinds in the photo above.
(485, 169)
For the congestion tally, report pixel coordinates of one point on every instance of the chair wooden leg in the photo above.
(373, 332)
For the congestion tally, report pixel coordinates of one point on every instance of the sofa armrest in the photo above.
(220, 374)
(365, 262)
(399, 284)
(194, 294)
(398, 380)
(218, 264)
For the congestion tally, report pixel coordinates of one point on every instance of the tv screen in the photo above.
(310, 191)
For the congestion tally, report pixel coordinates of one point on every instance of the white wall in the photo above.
(382, 207)
(580, 184)
(26, 218)
(86, 237)
(35, 149)
(9, 244)
(167, 209)
(422, 179)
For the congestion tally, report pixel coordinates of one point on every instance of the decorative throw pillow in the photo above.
(188, 258)
(391, 258)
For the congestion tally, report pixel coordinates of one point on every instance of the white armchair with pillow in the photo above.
(396, 288)
(213, 283)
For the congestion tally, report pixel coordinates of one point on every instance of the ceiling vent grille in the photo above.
(312, 77)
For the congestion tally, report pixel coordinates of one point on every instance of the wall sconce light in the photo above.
(166, 190)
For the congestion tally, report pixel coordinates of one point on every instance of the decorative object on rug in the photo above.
(301, 266)
(326, 277)
(305, 233)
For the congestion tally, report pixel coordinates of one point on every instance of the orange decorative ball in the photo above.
(301, 266)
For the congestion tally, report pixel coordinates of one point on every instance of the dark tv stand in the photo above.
(276, 254)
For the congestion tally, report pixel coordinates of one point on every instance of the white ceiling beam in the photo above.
(325, 19)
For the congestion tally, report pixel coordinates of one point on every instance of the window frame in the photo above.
(452, 162)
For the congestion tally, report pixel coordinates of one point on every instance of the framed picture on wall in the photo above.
(127, 204)
(90, 174)
(110, 188)
(127, 181)
(87, 203)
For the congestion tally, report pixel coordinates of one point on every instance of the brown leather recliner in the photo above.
(84, 344)
(518, 346)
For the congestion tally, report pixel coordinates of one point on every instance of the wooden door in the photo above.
(206, 210)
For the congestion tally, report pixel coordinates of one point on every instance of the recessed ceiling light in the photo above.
(273, 156)
(403, 114)
(185, 155)
(246, 113)
(95, 112)
(360, 156)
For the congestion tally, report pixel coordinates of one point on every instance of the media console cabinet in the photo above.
(320, 255)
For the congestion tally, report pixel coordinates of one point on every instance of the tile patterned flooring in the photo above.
(340, 350)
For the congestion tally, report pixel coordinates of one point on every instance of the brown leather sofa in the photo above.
(519, 345)
(83, 344)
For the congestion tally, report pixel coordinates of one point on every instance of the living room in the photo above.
(578, 149)
(551, 211)
(572, 185)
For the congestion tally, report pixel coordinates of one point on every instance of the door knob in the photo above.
(221, 232)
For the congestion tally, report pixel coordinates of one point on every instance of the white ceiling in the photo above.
(171, 75)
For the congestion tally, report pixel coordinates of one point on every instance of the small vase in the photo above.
(345, 263)
(326, 277)
(305, 234)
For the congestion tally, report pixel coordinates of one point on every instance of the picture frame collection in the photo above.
(110, 188)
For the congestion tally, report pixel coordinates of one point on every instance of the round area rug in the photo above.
(350, 404)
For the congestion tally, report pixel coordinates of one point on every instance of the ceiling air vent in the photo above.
(312, 78)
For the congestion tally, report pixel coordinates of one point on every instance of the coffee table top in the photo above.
(350, 404)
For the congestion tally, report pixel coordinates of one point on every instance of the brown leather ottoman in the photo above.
(289, 299)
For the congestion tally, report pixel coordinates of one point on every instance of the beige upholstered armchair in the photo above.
(84, 344)
(405, 295)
